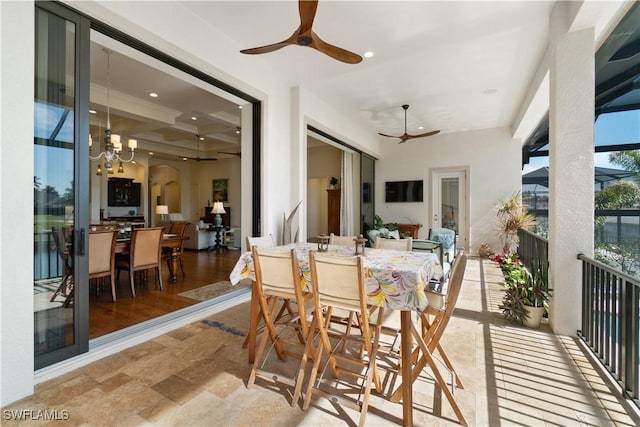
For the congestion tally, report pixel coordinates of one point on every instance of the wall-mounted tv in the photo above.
(403, 191)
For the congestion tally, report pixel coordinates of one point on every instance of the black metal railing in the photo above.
(533, 251)
(46, 262)
(610, 322)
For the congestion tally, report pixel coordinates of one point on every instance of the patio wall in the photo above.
(492, 158)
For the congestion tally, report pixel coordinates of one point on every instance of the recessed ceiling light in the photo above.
(93, 112)
(489, 91)
(368, 54)
(202, 138)
(420, 127)
(194, 118)
(185, 159)
(153, 94)
(151, 153)
(240, 107)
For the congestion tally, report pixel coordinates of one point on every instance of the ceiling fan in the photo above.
(197, 158)
(304, 36)
(406, 136)
(237, 153)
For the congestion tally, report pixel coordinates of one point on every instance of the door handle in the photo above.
(79, 243)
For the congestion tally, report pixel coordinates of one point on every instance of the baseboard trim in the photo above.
(120, 340)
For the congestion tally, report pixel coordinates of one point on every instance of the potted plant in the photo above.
(513, 215)
(333, 183)
(526, 295)
(379, 228)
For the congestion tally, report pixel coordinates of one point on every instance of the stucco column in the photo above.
(571, 203)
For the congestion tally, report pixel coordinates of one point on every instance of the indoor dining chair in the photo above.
(342, 240)
(102, 245)
(395, 244)
(277, 284)
(178, 228)
(338, 283)
(144, 254)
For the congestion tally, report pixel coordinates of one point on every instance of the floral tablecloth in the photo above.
(395, 279)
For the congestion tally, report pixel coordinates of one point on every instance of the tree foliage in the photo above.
(628, 160)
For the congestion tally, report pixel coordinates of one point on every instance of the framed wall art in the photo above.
(220, 190)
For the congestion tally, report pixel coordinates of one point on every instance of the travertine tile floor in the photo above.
(196, 376)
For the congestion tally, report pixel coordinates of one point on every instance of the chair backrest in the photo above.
(261, 242)
(422, 245)
(146, 245)
(342, 240)
(447, 237)
(178, 228)
(102, 251)
(396, 244)
(339, 281)
(277, 272)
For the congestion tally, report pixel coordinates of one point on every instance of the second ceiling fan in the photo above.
(197, 158)
(405, 137)
(304, 36)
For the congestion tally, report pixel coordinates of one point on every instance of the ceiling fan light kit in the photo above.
(405, 137)
(304, 36)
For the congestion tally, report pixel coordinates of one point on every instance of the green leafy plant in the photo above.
(513, 215)
(522, 289)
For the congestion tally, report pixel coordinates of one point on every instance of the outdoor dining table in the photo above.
(396, 280)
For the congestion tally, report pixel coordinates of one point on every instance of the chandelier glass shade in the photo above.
(112, 146)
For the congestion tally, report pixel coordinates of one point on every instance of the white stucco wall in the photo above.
(492, 157)
(16, 200)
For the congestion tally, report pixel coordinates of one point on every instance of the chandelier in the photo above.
(112, 146)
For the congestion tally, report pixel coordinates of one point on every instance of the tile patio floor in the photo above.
(196, 376)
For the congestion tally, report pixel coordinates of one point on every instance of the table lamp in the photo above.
(218, 209)
(162, 210)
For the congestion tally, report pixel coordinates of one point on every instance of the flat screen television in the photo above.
(403, 191)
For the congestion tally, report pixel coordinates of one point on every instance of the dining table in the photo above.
(172, 242)
(396, 280)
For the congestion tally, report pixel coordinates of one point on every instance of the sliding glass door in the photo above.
(60, 118)
(367, 202)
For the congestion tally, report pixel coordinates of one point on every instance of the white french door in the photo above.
(449, 202)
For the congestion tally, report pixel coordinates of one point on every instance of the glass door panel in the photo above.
(367, 205)
(57, 259)
(449, 203)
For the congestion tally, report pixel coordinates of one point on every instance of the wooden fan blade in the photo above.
(237, 154)
(268, 48)
(335, 52)
(390, 136)
(197, 159)
(307, 11)
(422, 135)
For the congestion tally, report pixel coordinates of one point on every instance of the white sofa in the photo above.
(199, 237)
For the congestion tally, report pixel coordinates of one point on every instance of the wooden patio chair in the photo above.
(434, 323)
(338, 284)
(277, 283)
(145, 253)
(102, 246)
(62, 243)
(342, 240)
(395, 244)
(261, 242)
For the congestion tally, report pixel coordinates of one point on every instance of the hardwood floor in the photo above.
(201, 268)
